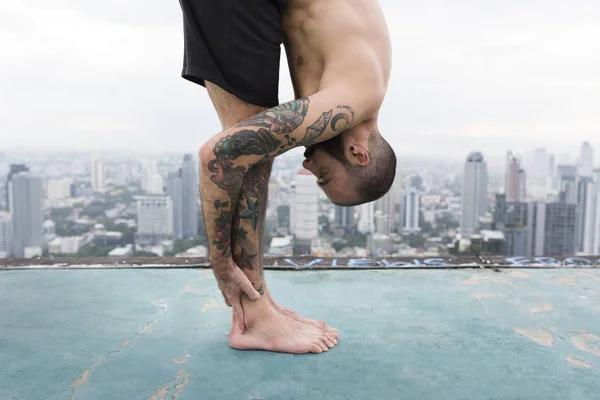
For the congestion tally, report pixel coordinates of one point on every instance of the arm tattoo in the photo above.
(267, 134)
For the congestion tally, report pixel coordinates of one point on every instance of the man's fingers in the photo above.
(238, 316)
(245, 284)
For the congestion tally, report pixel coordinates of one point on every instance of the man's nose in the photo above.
(308, 163)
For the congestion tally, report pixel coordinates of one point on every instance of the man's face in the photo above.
(327, 161)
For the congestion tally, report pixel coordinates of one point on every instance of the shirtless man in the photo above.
(340, 59)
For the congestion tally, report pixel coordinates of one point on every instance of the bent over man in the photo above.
(339, 56)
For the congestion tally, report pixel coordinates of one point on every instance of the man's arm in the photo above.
(226, 158)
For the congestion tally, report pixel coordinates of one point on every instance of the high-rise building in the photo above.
(344, 218)
(14, 169)
(366, 221)
(307, 212)
(174, 191)
(586, 159)
(514, 179)
(98, 174)
(283, 218)
(474, 194)
(189, 196)
(59, 188)
(151, 181)
(591, 222)
(412, 210)
(25, 200)
(417, 182)
(154, 219)
(5, 235)
(567, 182)
(585, 189)
(383, 223)
(551, 229)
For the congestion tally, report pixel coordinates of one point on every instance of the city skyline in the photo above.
(466, 77)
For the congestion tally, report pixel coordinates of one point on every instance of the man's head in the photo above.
(355, 167)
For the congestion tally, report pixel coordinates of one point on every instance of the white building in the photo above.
(412, 208)
(383, 223)
(152, 182)
(154, 219)
(65, 245)
(58, 188)
(126, 251)
(586, 159)
(5, 234)
(366, 221)
(98, 174)
(282, 246)
(474, 194)
(306, 210)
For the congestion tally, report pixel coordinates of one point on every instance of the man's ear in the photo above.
(360, 155)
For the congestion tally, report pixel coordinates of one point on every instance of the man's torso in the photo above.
(337, 42)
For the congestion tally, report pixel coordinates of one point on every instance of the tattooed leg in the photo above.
(248, 238)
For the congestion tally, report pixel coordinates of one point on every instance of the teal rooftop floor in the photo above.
(157, 334)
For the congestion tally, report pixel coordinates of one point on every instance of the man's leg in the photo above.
(247, 248)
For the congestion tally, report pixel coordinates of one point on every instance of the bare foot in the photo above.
(293, 314)
(267, 329)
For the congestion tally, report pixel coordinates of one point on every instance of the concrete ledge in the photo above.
(315, 263)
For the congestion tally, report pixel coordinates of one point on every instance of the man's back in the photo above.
(333, 42)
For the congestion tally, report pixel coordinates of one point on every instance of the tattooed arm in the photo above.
(226, 158)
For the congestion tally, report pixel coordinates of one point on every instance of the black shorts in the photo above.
(235, 44)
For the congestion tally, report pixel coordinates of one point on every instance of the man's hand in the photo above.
(233, 282)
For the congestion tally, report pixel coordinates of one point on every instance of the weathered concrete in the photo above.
(406, 334)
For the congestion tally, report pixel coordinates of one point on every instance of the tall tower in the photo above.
(366, 223)
(474, 194)
(307, 212)
(5, 235)
(98, 174)
(412, 203)
(14, 169)
(514, 179)
(174, 191)
(154, 219)
(586, 159)
(189, 196)
(25, 195)
(344, 217)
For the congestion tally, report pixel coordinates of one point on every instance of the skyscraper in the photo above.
(366, 222)
(412, 205)
(154, 219)
(474, 194)
(14, 169)
(586, 159)
(344, 217)
(189, 196)
(551, 228)
(585, 188)
(591, 228)
(98, 174)
(567, 179)
(514, 179)
(307, 212)
(25, 200)
(174, 191)
(5, 235)
(182, 188)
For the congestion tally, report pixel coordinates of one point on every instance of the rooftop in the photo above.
(411, 329)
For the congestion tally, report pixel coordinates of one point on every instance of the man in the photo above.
(340, 59)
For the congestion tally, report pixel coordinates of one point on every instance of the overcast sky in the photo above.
(89, 74)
